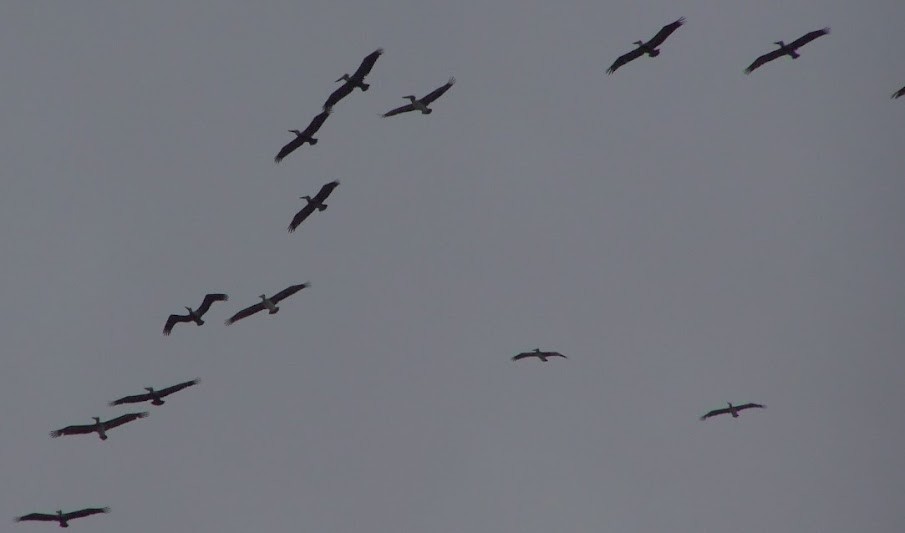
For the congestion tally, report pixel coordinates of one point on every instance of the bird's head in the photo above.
(297, 132)
(410, 98)
(263, 297)
(729, 404)
(780, 43)
(308, 198)
(189, 309)
(344, 77)
(96, 419)
(149, 389)
(59, 512)
(639, 43)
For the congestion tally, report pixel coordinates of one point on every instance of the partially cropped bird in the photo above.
(732, 409)
(649, 47)
(900, 92)
(194, 316)
(355, 80)
(421, 104)
(61, 517)
(539, 354)
(156, 396)
(101, 428)
(786, 49)
(267, 303)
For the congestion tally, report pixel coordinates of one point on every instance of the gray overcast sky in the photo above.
(686, 234)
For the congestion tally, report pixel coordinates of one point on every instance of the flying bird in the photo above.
(732, 409)
(649, 47)
(900, 92)
(302, 137)
(267, 303)
(61, 517)
(313, 203)
(539, 354)
(156, 396)
(786, 49)
(355, 80)
(421, 105)
(194, 316)
(100, 427)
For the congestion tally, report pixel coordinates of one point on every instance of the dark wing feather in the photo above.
(623, 59)
(402, 109)
(438, 92)
(766, 58)
(37, 517)
(367, 64)
(85, 512)
(176, 388)
(749, 406)
(173, 320)
(138, 398)
(72, 430)
(341, 92)
(301, 216)
(120, 420)
(248, 311)
(524, 355)
(208, 300)
(900, 92)
(288, 291)
(325, 191)
(555, 354)
(716, 412)
(665, 32)
(316, 123)
(289, 148)
(808, 37)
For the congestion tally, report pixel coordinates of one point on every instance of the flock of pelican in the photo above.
(317, 203)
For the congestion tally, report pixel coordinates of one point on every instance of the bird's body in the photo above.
(101, 428)
(355, 80)
(539, 354)
(302, 137)
(194, 315)
(61, 517)
(316, 203)
(786, 49)
(900, 92)
(732, 410)
(649, 47)
(156, 396)
(267, 303)
(421, 104)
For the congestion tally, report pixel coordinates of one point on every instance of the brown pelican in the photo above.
(900, 92)
(100, 427)
(313, 203)
(194, 316)
(786, 49)
(156, 396)
(421, 105)
(539, 354)
(61, 517)
(732, 409)
(302, 137)
(649, 47)
(355, 80)
(267, 303)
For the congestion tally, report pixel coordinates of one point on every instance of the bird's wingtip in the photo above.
(452, 80)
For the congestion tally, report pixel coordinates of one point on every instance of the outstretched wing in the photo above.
(402, 109)
(555, 354)
(623, 59)
(316, 123)
(900, 92)
(288, 148)
(716, 412)
(120, 420)
(208, 300)
(750, 406)
(288, 291)
(173, 320)
(524, 355)
(178, 387)
(438, 92)
(301, 216)
(85, 512)
(248, 311)
(665, 32)
(808, 37)
(325, 191)
(367, 64)
(39, 517)
(341, 92)
(72, 430)
(138, 398)
(766, 58)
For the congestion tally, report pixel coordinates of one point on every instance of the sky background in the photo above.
(686, 234)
